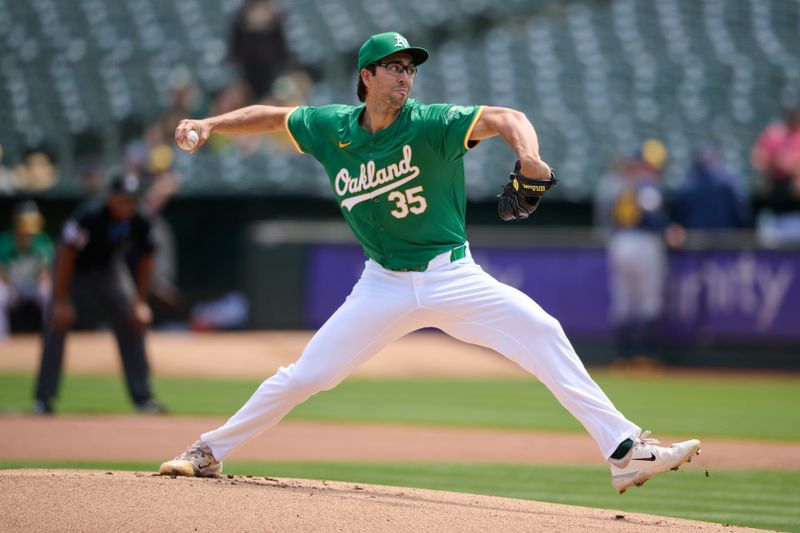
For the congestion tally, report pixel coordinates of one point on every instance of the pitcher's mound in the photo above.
(93, 500)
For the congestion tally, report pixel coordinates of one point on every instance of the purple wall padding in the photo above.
(721, 294)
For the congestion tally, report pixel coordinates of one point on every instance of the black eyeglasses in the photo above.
(396, 69)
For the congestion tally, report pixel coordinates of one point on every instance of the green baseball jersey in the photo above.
(402, 189)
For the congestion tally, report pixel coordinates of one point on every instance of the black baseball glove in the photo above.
(520, 196)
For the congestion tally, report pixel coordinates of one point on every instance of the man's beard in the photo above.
(398, 100)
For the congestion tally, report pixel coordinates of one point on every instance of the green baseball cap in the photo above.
(384, 44)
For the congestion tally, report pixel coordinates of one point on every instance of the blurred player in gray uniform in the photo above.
(631, 207)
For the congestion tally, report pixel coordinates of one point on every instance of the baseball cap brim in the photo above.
(418, 55)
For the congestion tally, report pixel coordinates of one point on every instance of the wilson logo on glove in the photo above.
(532, 188)
(520, 197)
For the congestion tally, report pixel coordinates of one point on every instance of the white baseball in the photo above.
(191, 141)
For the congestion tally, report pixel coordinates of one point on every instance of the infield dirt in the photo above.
(69, 500)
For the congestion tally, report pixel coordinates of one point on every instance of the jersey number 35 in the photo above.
(408, 201)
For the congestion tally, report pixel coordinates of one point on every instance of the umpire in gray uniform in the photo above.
(90, 267)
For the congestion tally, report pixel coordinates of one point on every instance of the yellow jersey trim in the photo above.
(474, 123)
(286, 124)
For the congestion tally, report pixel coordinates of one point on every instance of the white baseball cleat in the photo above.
(646, 459)
(197, 461)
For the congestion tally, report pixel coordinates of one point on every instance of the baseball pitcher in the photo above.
(395, 166)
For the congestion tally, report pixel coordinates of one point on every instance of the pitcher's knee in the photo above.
(543, 326)
(305, 384)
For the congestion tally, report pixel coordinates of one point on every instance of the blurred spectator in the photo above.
(37, 173)
(291, 89)
(708, 199)
(258, 45)
(776, 155)
(151, 154)
(631, 206)
(25, 257)
(90, 268)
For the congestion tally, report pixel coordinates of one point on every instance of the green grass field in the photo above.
(736, 407)
(757, 408)
(762, 499)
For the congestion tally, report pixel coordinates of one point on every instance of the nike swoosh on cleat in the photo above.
(343, 145)
(651, 458)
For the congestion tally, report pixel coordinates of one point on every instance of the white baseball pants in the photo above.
(460, 299)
